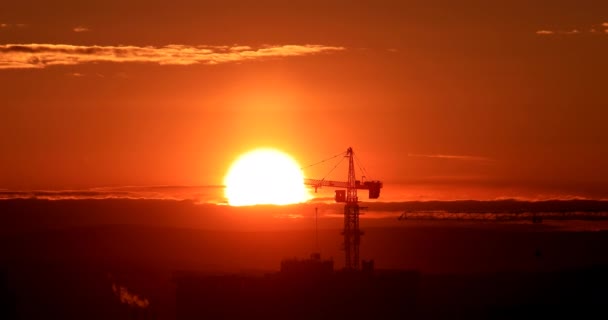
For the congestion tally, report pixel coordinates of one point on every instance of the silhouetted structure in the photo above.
(352, 233)
(312, 266)
(303, 289)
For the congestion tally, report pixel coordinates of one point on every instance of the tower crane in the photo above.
(352, 233)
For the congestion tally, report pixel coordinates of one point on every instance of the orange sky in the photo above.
(102, 93)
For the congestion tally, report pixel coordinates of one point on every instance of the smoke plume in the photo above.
(128, 297)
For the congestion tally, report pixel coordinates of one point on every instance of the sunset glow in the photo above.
(209, 159)
(265, 176)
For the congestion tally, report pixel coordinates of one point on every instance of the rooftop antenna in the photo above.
(317, 229)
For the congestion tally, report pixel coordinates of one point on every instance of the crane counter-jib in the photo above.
(373, 186)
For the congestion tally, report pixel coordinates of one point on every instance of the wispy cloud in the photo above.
(81, 29)
(9, 25)
(593, 29)
(450, 157)
(29, 56)
(552, 32)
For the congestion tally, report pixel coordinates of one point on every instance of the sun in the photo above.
(265, 176)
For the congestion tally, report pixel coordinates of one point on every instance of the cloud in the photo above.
(593, 29)
(81, 29)
(551, 32)
(202, 194)
(450, 157)
(501, 216)
(8, 25)
(240, 48)
(38, 56)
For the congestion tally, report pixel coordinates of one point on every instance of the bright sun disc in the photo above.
(265, 176)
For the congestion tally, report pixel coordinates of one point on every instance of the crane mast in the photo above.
(352, 234)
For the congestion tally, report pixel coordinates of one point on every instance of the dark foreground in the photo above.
(75, 264)
(384, 294)
(62, 292)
